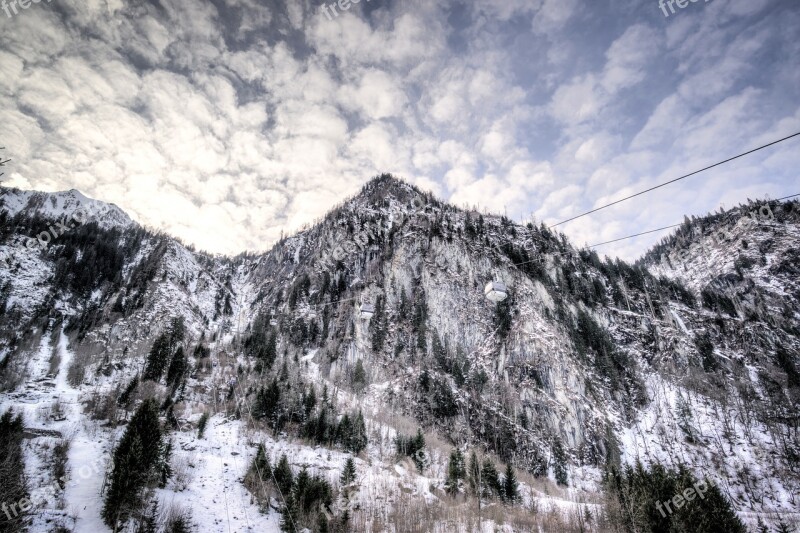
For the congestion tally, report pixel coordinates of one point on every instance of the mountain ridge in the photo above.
(587, 363)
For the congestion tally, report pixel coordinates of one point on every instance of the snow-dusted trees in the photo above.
(136, 459)
(510, 486)
(161, 353)
(657, 499)
(262, 343)
(559, 462)
(491, 484)
(157, 358)
(348, 472)
(13, 489)
(414, 447)
(378, 325)
(456, 472)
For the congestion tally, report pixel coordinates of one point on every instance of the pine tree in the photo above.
(474, 474)
(378, 325)
(685, 418)
(456, 472)
(177, 332)
(559, 463)
(419, 455)
(261, 465)
(165, 469)
(13, 488)
(490, 479)
(283, 476)
(359, 376)
(177, 368)
(510, 486)
(349, 472)
(150, 522)
(158, 358)
(267, 405)
(125, 398)
(201, 425)
(358, 438)
(135, 458)
(289, 518)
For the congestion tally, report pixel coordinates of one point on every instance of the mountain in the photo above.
(347, 338)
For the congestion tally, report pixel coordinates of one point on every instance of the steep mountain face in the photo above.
(689, 357)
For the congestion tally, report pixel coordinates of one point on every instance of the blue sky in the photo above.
(227, 122)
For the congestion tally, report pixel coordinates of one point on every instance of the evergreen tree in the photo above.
(158, 358)
(267, 405)
(642, 492)
(125, 398)
(177, 368)
(150, 522)
(135, 458)
(359, 376)
(283, 476)
(413, 447)
(349, 472)
(261, 465)
(177, 332)
(289, 518)
(358, 439)
(456, 472)
(13, 488)
(378, 325)
(706, 349)
(164, 467)
(503, 318)
(201, 425)
(685, 418)
(559, 463)
(474, 474)
(784, 361)
(490, 480)
(510, 486)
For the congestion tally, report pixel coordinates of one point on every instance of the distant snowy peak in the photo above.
(54, 206)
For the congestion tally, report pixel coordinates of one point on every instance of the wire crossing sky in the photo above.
(227, 122)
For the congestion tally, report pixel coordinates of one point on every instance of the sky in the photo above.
(225, 123)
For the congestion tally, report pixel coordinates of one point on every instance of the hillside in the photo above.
(688, 357)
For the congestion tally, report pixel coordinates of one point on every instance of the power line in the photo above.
(635, 235)
(676, 179)
(632, 236)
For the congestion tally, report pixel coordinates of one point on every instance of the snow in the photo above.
(730, 447)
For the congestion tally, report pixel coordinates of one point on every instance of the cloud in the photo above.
(226, 123)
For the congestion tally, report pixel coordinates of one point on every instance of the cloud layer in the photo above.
(227, 122)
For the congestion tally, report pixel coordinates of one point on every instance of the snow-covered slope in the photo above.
(674, 360)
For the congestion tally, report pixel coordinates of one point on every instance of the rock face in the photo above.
(689, 356)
